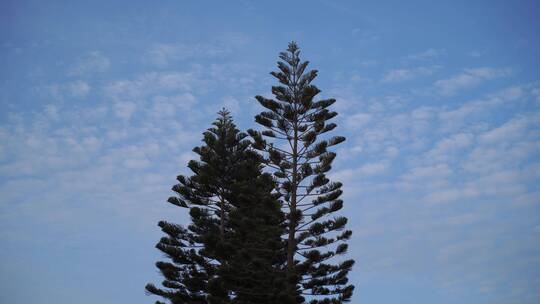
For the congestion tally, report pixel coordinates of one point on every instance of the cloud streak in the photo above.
(469, 78)
(399, 75)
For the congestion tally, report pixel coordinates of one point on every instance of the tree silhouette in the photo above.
(232, 251)
(295, 148)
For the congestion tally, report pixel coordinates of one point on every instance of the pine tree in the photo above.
(191, 276)
(255, 251)
(235, 217)
(300, 159)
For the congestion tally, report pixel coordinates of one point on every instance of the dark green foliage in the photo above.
(255, 238)
(232, 251)
(254, 269)
(300, 159)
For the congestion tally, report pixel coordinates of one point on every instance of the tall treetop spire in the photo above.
(293, 47)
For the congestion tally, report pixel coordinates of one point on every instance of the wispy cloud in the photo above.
(427, 54)
(444, 181)
(73, 89)
(358, 120)
(398, 75)
(155, 83)
(446, 148)
(162, 54)
(93, 62)
(468, 79)
(453, 118)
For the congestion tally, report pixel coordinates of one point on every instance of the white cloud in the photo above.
(162, 54)
(509, 131)
(51, 111)
(428, 173)
(468, 79)
(450, 195)
(501, 186)
(79, 89)
(423, 113)
(464, 182)
(427, 54)
(93, 62)
(447, 147)
(230, 103)
(530, 198)
(74, 89)
(363, 172)
(136, 163)
(125, 109)
(373, 168)
(398, 75)
(357, 120)
(154, 83)
(507, 154)
(166, 106)
(391, 152)
(536, 93)
(464, 219)
(454, 118)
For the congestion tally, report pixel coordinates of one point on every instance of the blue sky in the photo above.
(102, 103)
